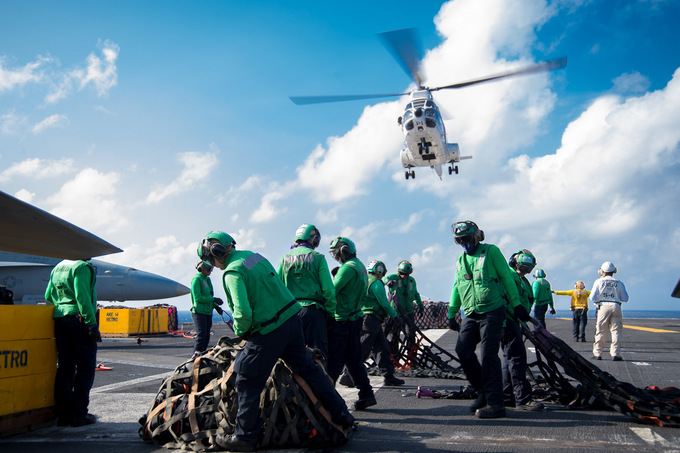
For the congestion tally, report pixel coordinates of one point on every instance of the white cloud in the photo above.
(36, 168)
(413, 220)
(29, 73)
(267, 209)
(197, 168)
(342, 169)
(49, 122)
(633, 82)
(89, 201)
(24, 195)
(11, 123)
(100, 72)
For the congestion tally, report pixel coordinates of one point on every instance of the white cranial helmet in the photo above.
(608, 267)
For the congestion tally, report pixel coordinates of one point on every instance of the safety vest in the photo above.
(479, 286)
(270, 302)
(67, 279)
(351, 295)
(371, 304)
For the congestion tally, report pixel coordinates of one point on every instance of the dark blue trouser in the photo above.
(77, 357)
(579, 321)
(486, 378)
(539, 313)
(344, 345)
(254, 364)
(314, 327)
(516, 386)
(373, 341)
(202, 324)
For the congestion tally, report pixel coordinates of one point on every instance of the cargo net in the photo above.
(198, 402)
(432, 315)
(597, 389)
(413, 353)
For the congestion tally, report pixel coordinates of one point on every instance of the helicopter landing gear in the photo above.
(410, 174)
(453, 169)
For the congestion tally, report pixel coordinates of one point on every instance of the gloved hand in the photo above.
(390, 283)
(245, 336)
(522, 314)
(94, 334)
(219, 310)
(453, 324)
(552, 310)
(217, 300)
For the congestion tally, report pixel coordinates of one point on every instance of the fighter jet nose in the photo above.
(181, 290)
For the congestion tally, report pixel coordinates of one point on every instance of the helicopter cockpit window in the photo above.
(409, 125)
(430, 112)
(429, 122)
(409, 106)
(429, 104)
(407, 115)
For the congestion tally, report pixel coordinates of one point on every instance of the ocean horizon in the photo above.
(184, 316)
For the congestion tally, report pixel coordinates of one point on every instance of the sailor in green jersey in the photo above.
(72, 291)
(403, 294)
(376, 308)
(305, 273)
(344, 342)
(203, 301)
(264, 316)
(483, 283)
(542, 296)
(516, 386)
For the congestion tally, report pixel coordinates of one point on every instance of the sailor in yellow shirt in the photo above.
(579, 307)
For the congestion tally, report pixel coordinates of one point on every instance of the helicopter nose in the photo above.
(419, 112)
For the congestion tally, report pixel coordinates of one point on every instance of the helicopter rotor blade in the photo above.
(540, 67)
(304, 100)
(404, 45)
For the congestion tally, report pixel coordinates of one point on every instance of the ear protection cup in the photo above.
(315, 238)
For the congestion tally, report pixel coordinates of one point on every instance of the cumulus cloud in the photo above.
(89, 201)
(49, 122)
(197, 167)
(489, 121)
(25, 195)
(413, 220)
(36, 168)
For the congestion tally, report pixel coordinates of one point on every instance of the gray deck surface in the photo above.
(400, 422)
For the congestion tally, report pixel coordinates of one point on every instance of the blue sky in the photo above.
(151, 123)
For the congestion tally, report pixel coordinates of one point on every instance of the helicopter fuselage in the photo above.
(425, 135)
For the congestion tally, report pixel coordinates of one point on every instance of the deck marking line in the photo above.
(650, 437)
(649, 329)
(141, 380)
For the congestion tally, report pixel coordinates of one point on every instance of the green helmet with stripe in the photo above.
(405, 267)
(343, 249)
(308, 233)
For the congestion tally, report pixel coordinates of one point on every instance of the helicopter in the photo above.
(425, 142)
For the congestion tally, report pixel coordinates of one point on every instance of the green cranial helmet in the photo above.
(308, 233)
(405, 267)
(377, 268)
(526, 262)
(539, 273)
(208, 248)
(342, 249)
(467, 234)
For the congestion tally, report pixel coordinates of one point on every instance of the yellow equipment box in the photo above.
(121, 322)
(28, 365)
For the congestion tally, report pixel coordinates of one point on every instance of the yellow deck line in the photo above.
(649, 329)
(646, 329)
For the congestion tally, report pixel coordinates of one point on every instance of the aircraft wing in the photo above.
(27, 229)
